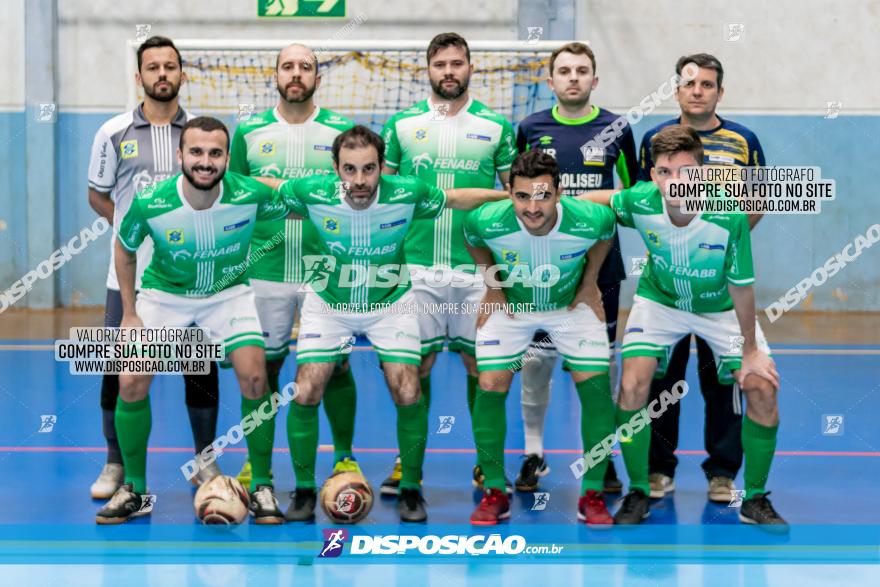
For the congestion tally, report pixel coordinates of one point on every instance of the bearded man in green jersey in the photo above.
(293, 139)
(698, 279)
(361, 285)
(201, 223)
(549, 251)
(449, 140)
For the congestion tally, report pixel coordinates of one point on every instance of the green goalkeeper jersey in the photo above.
(689, 267)
(198, 253)
(544, 271)
(462, 151)
(362, 265)
(267, 146)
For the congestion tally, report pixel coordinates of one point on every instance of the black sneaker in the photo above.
(264, 506)
(124, 504)
(636, 507)
(533, 467)
(302, 505)
(478, 481)
(392, 483)
(611, 484)
(759, 510)
(411, 506)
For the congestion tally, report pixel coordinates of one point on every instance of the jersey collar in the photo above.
(464, 108)
(139, 120)
(702, 133)
(280, 119)
(574, 121)
(186, 203)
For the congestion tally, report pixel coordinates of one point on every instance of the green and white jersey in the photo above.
(198, 253)
(363, 265)
(462, 151)
(541, 270)
(267, 146)
(690, 266)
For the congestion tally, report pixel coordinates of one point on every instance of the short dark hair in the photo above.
(703, 60)
(577, 49)
(154, 43)
(207, 124)
(533, 163)
(444, 40)
(355, 137)
(677, 138)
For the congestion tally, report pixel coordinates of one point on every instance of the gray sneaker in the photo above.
(660, 485)
(110, 479)
(721, 489)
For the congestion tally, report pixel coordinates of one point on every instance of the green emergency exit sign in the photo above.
(301, 8)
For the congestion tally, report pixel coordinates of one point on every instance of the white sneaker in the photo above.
(110, 479)
(660, 485)
(205, 474)
(721, 490)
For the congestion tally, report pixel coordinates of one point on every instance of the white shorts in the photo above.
(277, 303)
(579, 336)
(230, 316)
(652, 330)
(327, 335)
(447, 301)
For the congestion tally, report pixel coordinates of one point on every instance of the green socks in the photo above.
(425, 384)
(261, 440)
(471, 394)
(490, 428)
(302, 435)
(635, 452)
(133, 423)
(412, 436)
(597, 422)
(759, 445)
(340, 403)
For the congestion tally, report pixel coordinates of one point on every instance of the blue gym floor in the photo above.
(825, 485)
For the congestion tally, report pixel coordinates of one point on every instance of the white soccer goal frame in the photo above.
(512, 46)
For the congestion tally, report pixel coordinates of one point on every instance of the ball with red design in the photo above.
(346, 498)
(222, 500)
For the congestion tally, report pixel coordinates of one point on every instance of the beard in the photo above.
(451, 93)
(189, 173)
(164, 95)
(307, 93)
(574, 103)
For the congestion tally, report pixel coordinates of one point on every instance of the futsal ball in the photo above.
(346, 498)
(222, 500)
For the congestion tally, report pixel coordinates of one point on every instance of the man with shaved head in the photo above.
(291, 140)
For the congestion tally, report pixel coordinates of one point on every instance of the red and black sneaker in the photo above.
(592, 509)
(494, 507)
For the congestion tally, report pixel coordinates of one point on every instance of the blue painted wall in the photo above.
(786, 248)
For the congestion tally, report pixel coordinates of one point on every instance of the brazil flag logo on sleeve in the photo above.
(174, 236)
(653, 237)
(510, 257)
(331, 225)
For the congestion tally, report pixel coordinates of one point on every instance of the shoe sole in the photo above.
(613, 490)
(529, 488)
(110, 521)
(718, 498)
(268, 521)
(771, 528)
(662, 493)
(583, 518)
(500, 518)
(414, 521)
(388, 490)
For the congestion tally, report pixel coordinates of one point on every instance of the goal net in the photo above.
(367, 81)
